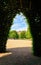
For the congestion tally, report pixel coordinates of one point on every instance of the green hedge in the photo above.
(28, 34)
(13, 35)
(22, 35)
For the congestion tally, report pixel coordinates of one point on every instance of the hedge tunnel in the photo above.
(31, 10)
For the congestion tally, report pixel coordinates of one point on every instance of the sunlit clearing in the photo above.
(18, 43)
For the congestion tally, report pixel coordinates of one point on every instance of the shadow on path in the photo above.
(20, 56)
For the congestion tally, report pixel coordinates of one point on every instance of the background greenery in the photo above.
(13, 35)
(23, 34)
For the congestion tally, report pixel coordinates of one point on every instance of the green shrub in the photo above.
(13, 34)
(22, 35)
(28, 34)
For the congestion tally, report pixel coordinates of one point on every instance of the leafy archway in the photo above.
(31, 9)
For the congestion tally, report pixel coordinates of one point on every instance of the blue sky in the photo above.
(19, 23)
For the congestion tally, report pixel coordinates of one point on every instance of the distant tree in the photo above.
(13, 35)
(28, 34)
(22, 35)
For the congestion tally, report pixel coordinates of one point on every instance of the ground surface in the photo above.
(19, 53)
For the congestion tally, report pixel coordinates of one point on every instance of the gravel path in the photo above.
(19, 53)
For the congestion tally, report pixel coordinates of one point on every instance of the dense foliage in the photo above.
(13, 35)
(22, 35)
(28, 34)
(31, 9)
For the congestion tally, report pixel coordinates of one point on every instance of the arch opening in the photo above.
(21, 23)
